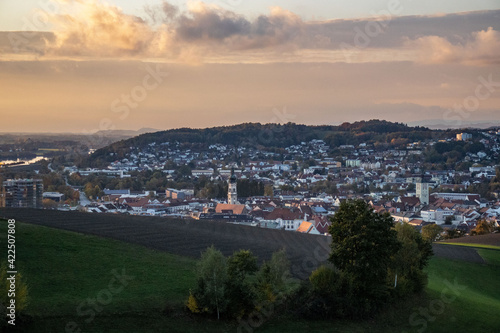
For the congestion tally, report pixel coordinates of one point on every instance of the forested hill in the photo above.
(258, 135)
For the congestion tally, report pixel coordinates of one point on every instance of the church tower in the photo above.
(232, 194)
(422, 190)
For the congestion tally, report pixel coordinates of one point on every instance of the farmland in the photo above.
(63, 269)
(190, 237)
(186, 237)
(482, 241)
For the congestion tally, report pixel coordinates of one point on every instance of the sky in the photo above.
(84, 66)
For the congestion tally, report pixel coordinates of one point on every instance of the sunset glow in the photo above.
(232, 62)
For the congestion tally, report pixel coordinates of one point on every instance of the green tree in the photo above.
(410, 260)
(280, 268)
(495, 182)
(453, 233)
(212, 278)
(240, 264)
(286, 187)
(248, 188)
(240, 293)
(268, 190)
(184, 171)
(229, 286)
(93, 190)
(430, 232)
(170, 165)
(309, 163)
(272, 276)
(363, 243)
(323, 280)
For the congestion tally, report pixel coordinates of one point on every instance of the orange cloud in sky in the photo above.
(207, 33)
(484, 48)
(98, 29)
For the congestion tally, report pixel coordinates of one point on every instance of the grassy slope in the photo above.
(63, 269)
(480, 246)
(477, 306)
(474, 309)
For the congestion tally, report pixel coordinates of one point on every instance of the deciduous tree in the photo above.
(363, 243)
(212, 278)
(410, 261)
(430, 232)
(482, 228)
(240, 266)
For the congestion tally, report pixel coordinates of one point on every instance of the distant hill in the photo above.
(443, 124)
(270, 136)
(70, 139)
(123, 134)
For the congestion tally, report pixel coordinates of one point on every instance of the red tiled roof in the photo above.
(305, 227)
(135, 202)
(322, 223)
(226, 208)
(410, 201)
(284, 214)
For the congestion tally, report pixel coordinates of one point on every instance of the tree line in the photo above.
(372, 264)
(269, 136)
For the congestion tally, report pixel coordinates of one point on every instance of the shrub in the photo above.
(226, 286)
(21, 296)
(324, 280)
(192, 304)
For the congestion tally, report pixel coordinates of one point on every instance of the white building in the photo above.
(436, 215)
(55, 196)
(291, 225)
(458, 196)
(423, 192)
(308, 228)
(207, 172)
(353, 163)
(464, 136)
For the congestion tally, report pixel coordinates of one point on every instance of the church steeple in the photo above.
(232, 193)
(422, 191)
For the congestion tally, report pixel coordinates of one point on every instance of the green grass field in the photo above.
(479, 246)
(50, 149)
(65, 269)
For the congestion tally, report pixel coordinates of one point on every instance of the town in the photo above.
(297, 188)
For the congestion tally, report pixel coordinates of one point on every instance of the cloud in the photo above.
(207, 22)
(482, 49)
(204, 33)
(99, 29)
(154, 13)
(392, 31)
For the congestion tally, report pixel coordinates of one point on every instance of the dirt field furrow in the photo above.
(190, 237)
